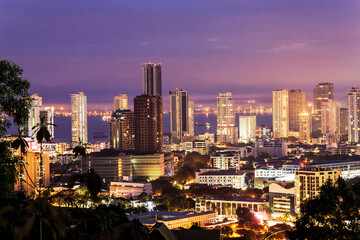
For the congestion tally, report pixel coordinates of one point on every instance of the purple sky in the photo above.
(246, 47)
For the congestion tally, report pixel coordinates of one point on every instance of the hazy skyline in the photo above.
(247, 47)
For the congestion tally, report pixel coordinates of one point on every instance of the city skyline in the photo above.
(291, 43)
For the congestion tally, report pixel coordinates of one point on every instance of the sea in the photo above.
(98, 130)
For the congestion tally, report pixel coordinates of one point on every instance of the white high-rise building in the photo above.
(247, 126)
(121, 102)
(48, 113)
(280, 112)
(79, 118)
(353, 105)
(191, 119)
(226, 130)
(34, 114)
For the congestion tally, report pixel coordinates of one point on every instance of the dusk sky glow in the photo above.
(205, 47)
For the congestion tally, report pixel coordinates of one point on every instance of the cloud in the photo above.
(144, 43)
(291, 47)
(213, 39)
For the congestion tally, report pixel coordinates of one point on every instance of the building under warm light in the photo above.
(308, 183)
(305, 127)
(121, 130)
(226, 129)
(121, 102)
(353, 106)
(297, 105)
(280, 113)
(247, 126)
(32, 175)
(322, 93)
(79, 131)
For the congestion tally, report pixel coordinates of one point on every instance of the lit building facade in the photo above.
(330, 120)
(34, 114)
(230, 178)
(150, 166)
(353, 106)
(79, 129)
(247, 126)
(280, 113)
(191, 131)
(226, 129)
(121, 130)
(121, 102)
(32, 163)
(305, 127)
(322, 93)
(308, 183)
(297, 105)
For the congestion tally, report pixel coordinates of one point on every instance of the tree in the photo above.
(245, 215)
(143, 197)
(226, 230)
(14, 102)
(333, 214)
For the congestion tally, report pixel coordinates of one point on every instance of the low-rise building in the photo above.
(225, 160)
(285, 173)
(231, 178)
(275, 148)
(227, 206)
(175, 219)
(126, 189)
(282, 198)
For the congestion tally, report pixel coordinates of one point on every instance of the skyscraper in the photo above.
(330, 120)
(151, 73)
(322, 93)
(305, 127)
(247, 126)
(48, 113)
(79, 118)
(120, 102)
(280, 112)
(343, 121)
(148, 124)
(191, 119)
(353, 106)
(34, 114)
(297, 105)
(179, 114)
(226, 129)
(121, 130)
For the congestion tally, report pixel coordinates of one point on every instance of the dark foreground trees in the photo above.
(333, 214)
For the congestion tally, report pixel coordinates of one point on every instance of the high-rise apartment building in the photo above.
(280, 112)
(305, 127)
(322, 93)
(151, 73)
(34, 115)
(79, 118)
(191, 131)
(343, 121)
(247, 126)
(308, 184)
(226, 129)
(122, 130)
(48, 114)
(330, 120)
(148, 124)
(33, 175)
(297, 105)
(121, 102)
(353, 106)
(179, 114)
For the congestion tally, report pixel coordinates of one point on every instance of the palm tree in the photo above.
(21, 143)
(42, 134)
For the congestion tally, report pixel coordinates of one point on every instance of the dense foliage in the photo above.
(333, 214)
